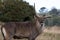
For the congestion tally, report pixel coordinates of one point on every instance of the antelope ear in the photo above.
(47, 16)
(35, 17)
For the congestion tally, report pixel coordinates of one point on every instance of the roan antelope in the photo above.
(28, 29)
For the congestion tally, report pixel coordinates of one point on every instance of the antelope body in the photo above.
(18, 30)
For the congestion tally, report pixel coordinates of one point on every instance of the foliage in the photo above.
(42, 10)
(55, 20)
(53, 11)
(16, 11)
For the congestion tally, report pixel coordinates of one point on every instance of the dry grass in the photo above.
(46, 35)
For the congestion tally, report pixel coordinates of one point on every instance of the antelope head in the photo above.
(41, 18)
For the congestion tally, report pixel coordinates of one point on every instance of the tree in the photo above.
(42, 10)
(53, 11)
(16, 11)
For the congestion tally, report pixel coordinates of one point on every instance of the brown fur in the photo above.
(29, 29)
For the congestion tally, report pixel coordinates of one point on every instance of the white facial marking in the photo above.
(4, 31)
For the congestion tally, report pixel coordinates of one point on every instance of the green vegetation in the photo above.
(53, 21)
(15, 10)
(55, 16)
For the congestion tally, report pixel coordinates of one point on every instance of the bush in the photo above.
(16, 11)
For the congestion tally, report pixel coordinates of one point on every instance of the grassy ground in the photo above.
(48, 36)
(43, 36)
